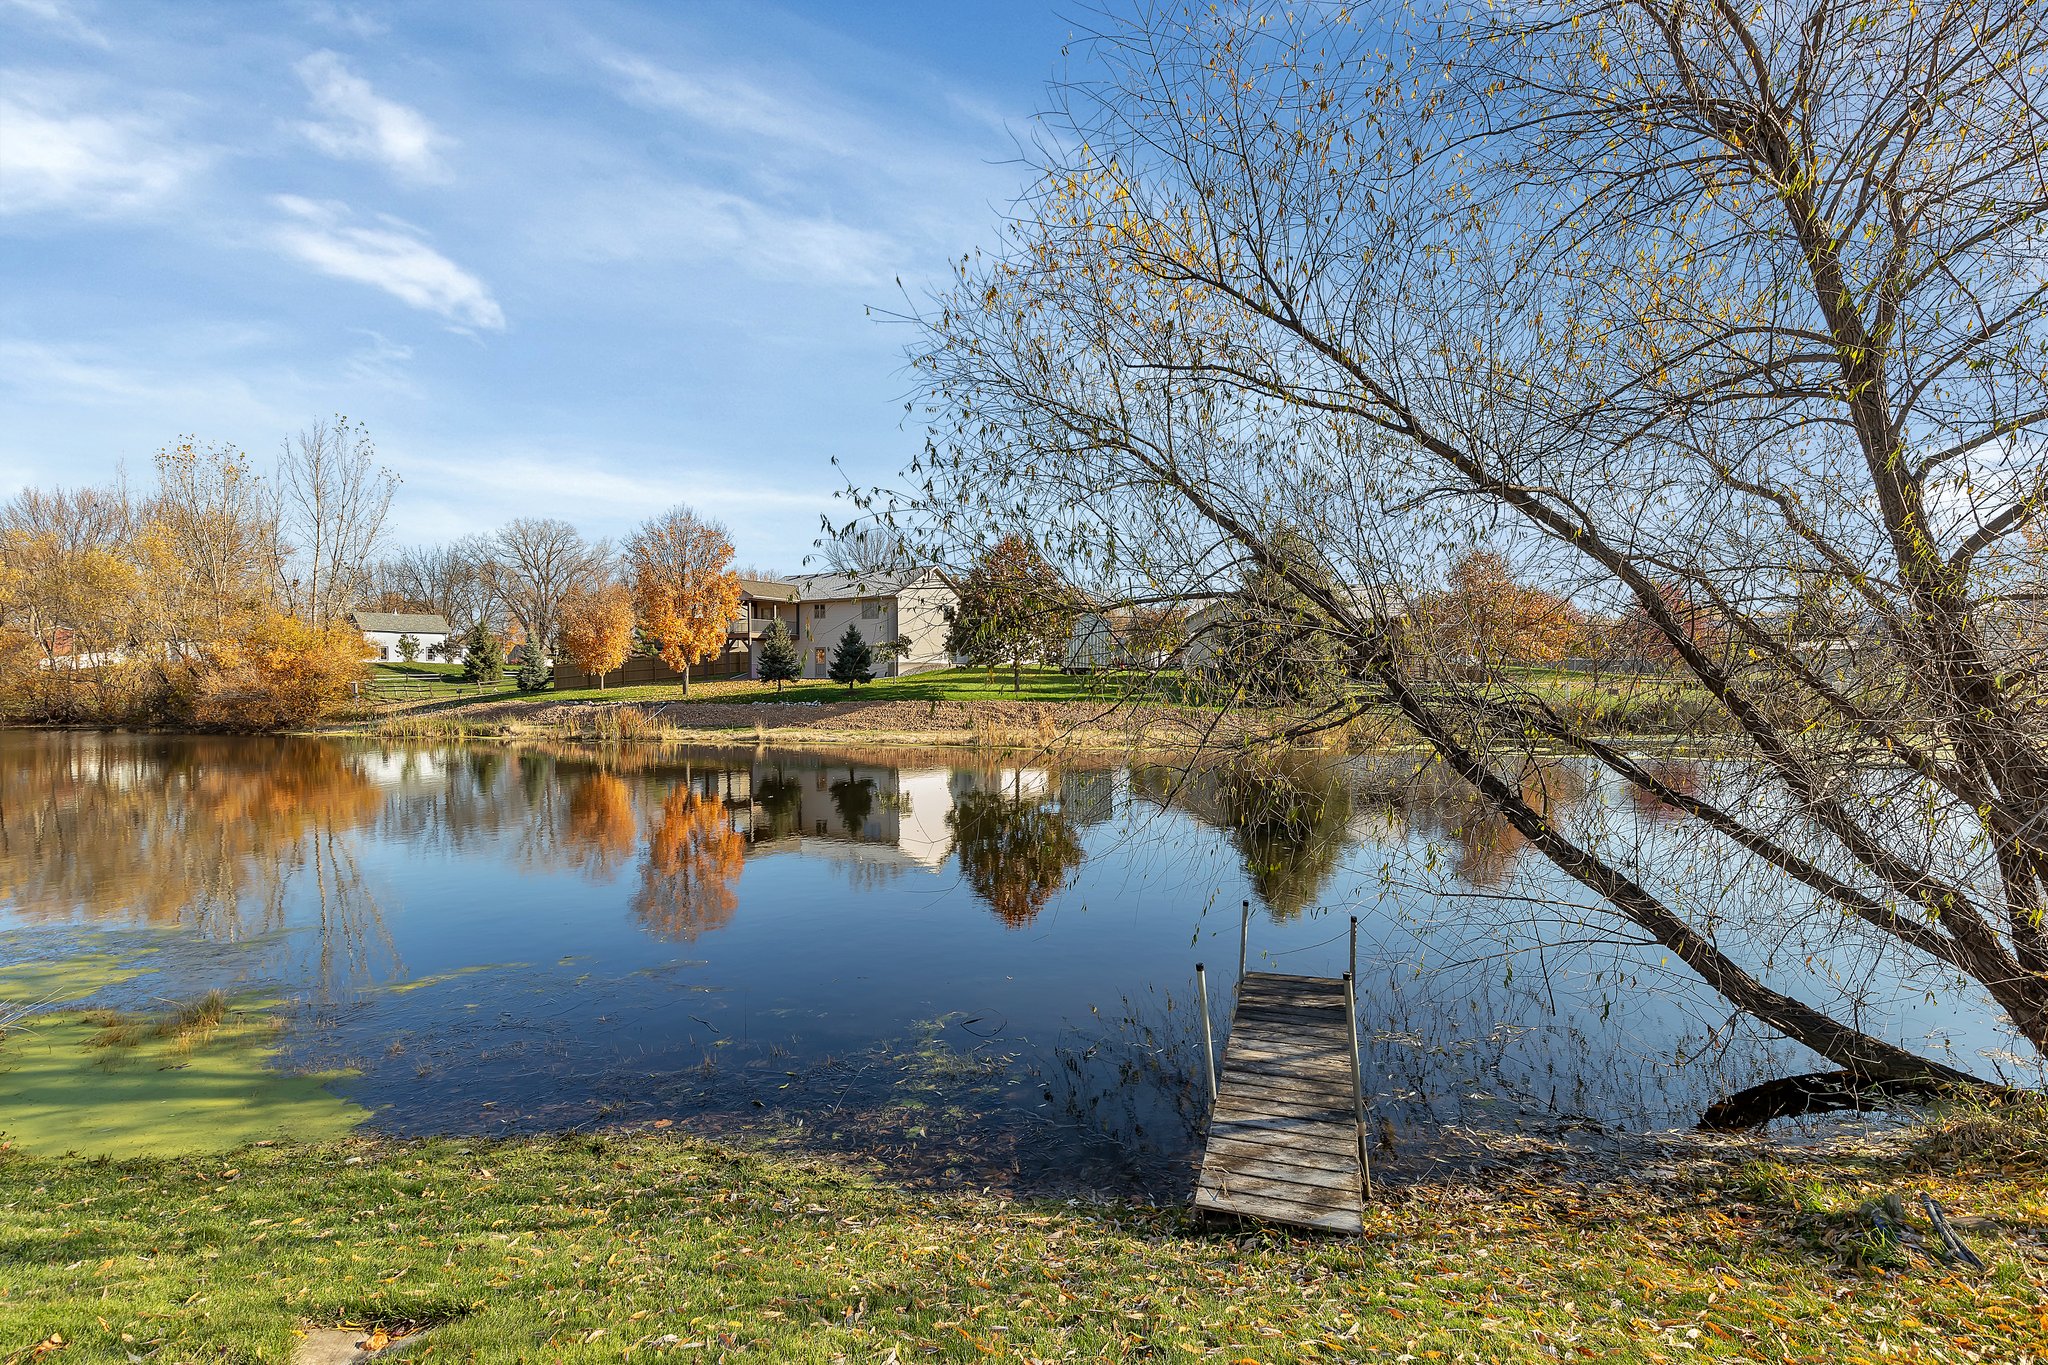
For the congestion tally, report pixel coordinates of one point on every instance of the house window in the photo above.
(871, 610)
(817, 611)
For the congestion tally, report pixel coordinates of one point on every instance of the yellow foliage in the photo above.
(277, 672)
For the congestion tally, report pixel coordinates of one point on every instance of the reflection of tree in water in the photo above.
(779, 798)
(1485, 847)
(1016, 852)
(599, 831)
(693, 859)
(854, 798)
(211, 833)
(1289, 816)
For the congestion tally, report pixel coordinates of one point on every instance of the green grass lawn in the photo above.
(401, 668)
(952, 684)
(621, 1247)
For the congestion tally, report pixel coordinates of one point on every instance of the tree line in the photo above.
(218, 599)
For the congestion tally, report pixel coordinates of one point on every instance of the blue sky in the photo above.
(576, 260)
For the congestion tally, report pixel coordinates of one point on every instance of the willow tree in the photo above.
(1699, 315)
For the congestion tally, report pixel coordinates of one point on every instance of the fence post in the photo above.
(1244, 941)
(1357, 1082)
(1208, 1034)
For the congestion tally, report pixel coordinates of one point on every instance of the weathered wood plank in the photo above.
(1240, 1097)
(1304, 1130)
(1227, 1159)
(1303, 1147)
(1334, 1072)
(1329, 1219)
(1260, 1186)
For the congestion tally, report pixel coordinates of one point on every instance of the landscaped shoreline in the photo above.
(623, 1245)
(1044, 710)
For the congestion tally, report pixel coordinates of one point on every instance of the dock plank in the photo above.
(1283, 1134)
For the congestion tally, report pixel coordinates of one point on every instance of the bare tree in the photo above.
(1691, 313)
(536, 561)
(331, 497)
(461, 581)
(865, 549)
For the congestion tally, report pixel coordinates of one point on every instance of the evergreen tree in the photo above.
(533, 675)
(780, 662)
(1277, 646)
(853, 662)
(483, 658)
(408, 647)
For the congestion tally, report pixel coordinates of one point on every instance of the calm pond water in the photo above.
(973, 971)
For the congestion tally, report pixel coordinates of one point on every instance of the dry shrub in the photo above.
(2008, 1134)
(277, 673)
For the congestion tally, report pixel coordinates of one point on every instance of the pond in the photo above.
(971, 970)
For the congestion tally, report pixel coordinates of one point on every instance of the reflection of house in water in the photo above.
(886, 818)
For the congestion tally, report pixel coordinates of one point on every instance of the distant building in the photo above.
(384, 629)
(816, 610)
(909, 606)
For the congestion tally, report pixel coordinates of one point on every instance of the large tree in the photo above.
(684, 586)
(597, 628)
(1699, 307)
(534, 562)
(1011, 607)
(331, 498)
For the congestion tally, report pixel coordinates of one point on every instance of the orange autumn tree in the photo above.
(597, 628)
(684, 587)
(1486, 615)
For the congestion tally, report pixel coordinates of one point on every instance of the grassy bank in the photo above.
(967, 706)
(623, 1247)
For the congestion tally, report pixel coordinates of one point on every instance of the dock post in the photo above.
(1244, 941)
(1354, 947)
(1357, 1079)
(1208, 1033)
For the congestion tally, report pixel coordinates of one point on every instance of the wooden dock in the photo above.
(1285, 1133)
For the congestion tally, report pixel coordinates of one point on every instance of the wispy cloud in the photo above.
(57, 154)
(391, 256)
(672, 221)
(725, 100)
(350, 19)
(59, 17)
(358, 124)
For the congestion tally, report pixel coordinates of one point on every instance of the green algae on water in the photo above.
(66, 981)
(98, 1085)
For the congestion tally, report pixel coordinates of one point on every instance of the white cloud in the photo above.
(349, 19)
(58, 156)
(58, 16)
(358, 124)
(724, 100)
(392, 257)
(695, 222)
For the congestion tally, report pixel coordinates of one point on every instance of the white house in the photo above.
(384, 629)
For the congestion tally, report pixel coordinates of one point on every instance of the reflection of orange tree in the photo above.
(693, 858)
(600, 829)
(1015, 854)
(199, 831)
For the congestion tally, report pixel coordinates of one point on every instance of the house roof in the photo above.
(768, 589)
(401, 622)
(826, 587)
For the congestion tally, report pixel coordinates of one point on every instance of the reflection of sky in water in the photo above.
(981, 969)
